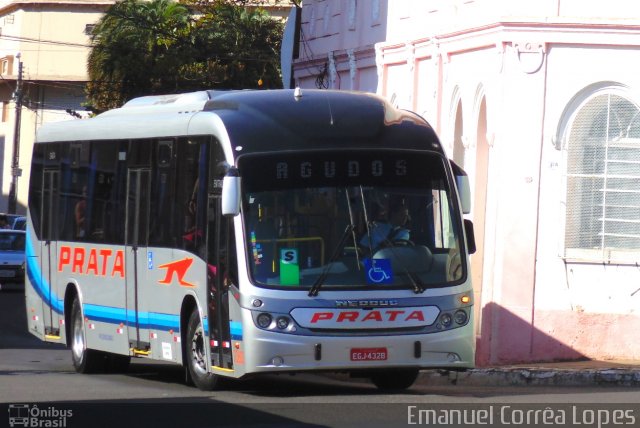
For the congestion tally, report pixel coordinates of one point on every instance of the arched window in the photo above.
(603, 179)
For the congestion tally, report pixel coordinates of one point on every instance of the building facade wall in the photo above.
(506, 84)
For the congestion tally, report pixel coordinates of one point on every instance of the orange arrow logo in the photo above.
(180, 268)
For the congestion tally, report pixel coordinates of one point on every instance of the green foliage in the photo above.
(161, 47)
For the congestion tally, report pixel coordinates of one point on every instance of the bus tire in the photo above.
(84, 360)
(197, 356)
(394, 380)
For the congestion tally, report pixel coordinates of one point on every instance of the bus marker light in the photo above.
(226, 345)
(120, 330)
(176, 339)
(214, 343)
(256, 303)
(277, 361)
(153, 335)
(465, 299)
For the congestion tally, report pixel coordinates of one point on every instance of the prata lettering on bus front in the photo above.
(92, 261)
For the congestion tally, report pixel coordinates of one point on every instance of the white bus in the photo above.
(247, 232)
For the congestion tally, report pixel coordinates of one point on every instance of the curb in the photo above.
(532, 376)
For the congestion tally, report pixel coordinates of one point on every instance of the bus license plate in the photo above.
(368, 354)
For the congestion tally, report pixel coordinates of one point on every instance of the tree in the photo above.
(135, 48)
(159, 47)
(235, 47)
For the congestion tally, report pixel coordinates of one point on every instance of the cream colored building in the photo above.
(51, 40)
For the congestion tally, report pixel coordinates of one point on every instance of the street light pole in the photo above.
(15, 162)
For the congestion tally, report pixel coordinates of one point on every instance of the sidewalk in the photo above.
(575, 373)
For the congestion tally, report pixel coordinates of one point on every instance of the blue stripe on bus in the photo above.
(107, 314)
(236, 330)
(37, 279)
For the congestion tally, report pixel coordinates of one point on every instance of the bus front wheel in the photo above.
(197, 356)
(394, 380)
(84, 360)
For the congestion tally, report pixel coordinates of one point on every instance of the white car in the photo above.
(12, 258)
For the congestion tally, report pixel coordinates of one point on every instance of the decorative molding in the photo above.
(333, 71)
(353, 67)
(467, 143)
(351, 15)
(312, 22)
(530, 55)
(326, 20)
(375, 13)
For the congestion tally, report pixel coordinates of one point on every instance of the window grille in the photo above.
(603, 181)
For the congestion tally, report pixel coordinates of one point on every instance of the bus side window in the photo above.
(191, 194)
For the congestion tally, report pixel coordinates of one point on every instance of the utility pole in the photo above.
(15, 162)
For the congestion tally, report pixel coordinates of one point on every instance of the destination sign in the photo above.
(310, 169)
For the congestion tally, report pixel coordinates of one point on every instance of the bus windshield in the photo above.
(356, 219)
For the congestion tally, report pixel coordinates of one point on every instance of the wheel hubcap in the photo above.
(78, 338)
(197, 351)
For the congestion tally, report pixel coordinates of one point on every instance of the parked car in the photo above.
(12, 258)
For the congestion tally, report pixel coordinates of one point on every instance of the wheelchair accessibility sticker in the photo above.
(378, 271)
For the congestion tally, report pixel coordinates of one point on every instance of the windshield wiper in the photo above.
(327, 268)
(418, 286)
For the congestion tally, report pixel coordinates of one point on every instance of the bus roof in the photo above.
(259, 120)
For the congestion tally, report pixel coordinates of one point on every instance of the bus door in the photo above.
(48, 253)
(219, 279)
(136, 223)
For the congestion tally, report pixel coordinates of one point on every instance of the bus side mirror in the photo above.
(464, 188)
(465, 193)
(471, 237)
(231, 193)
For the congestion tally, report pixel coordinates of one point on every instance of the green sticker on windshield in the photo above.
(289, 268)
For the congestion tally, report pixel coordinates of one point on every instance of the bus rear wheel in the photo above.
(197, 356)
(394, 380)
(84, 360)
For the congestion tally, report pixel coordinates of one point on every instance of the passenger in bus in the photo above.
(4, 223)
(389, 230)
(80, 212)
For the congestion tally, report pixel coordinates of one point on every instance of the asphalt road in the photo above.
(38, 379)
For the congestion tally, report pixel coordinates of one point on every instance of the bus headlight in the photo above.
(445, 320)
(282, 323)
(460, 317)
(264, 320)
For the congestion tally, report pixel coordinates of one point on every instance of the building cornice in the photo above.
(499, 33)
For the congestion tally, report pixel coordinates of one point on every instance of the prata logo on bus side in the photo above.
(180, 269)
(91, 261)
